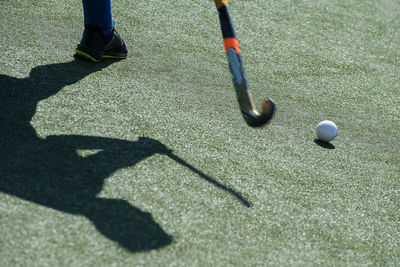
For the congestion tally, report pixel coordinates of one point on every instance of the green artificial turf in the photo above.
(147, 161)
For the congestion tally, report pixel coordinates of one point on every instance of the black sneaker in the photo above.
(94, 46)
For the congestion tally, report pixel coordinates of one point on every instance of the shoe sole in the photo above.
(89, 57)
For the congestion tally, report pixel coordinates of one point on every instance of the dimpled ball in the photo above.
(326, 130)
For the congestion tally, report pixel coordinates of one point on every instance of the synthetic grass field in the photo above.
(147, 161)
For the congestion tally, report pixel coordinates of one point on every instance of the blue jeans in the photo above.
(98, 13)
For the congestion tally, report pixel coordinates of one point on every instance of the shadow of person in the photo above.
(50, 171)
(67, 172)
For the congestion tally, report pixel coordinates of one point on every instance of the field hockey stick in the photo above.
(242, 88)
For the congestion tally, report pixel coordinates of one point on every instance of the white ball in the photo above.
(326, 131)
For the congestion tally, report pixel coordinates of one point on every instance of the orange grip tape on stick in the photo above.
(220, 3)
(231, 43)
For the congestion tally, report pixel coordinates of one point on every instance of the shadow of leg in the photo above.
(132, 228)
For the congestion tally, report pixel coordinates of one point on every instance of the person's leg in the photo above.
(98, 13)
(100, 39)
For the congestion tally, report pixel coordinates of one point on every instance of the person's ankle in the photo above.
(106, 33)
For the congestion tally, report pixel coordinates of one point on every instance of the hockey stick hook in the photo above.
(250, 114)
